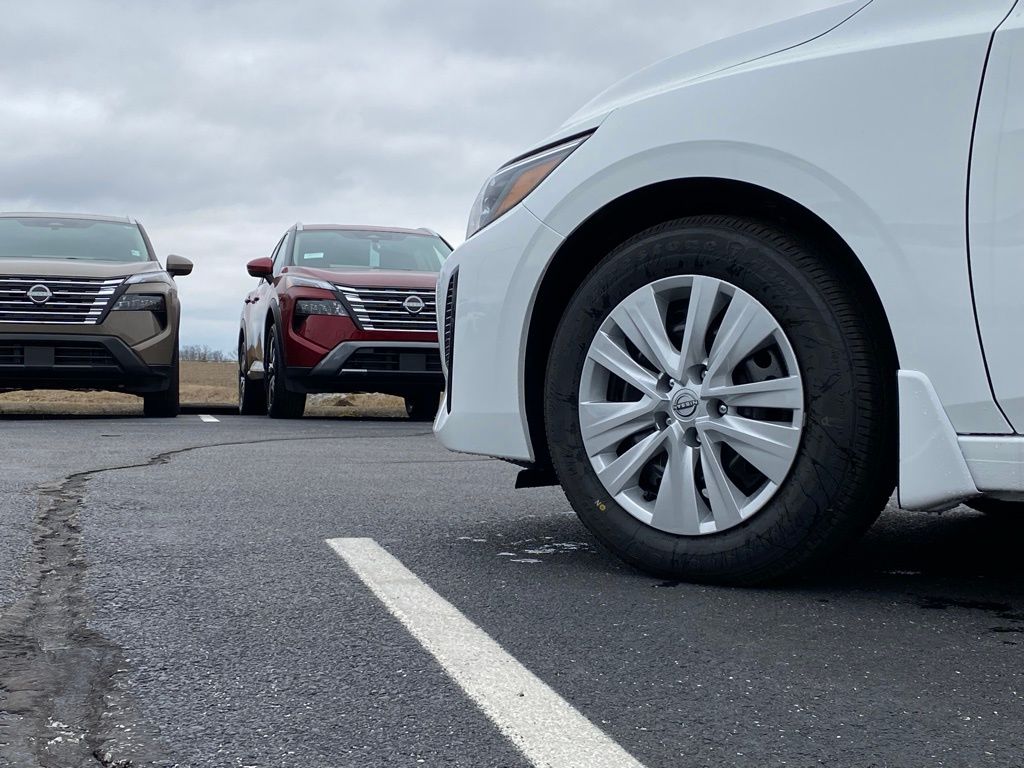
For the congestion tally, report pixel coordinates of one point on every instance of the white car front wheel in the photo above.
(716, 407)
(691, 405)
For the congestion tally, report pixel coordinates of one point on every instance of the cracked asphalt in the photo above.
(167, 599)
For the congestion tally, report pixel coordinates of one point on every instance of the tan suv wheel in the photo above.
(164, 404)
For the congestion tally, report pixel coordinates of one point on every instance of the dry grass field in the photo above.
(202, 384)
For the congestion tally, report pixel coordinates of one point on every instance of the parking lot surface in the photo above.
(178, 604)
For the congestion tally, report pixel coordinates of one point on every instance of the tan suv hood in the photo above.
(74, 268)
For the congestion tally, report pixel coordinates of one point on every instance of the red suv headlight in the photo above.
(308, 307)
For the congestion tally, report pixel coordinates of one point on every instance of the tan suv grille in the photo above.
(71, 301)
(385, 309)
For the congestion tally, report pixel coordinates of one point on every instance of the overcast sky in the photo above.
(220, 123)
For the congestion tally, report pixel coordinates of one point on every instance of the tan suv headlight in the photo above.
(140, 302)
(515, 180)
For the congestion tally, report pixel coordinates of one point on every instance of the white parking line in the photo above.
(543, 725)
(208, 419)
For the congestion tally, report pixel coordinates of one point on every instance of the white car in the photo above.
(742, 295)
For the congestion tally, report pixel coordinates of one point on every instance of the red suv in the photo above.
(342, 309)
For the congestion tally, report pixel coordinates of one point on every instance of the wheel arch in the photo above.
(272, 318)
(244, 359)
(646, 207)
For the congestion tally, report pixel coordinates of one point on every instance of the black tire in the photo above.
(844, 468)
(998, 508)
(164, 405)
(281, 402)
(422, 406)
(252, 397)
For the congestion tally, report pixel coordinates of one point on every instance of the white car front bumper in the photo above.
(499, 271)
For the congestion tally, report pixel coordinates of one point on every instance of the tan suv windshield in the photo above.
(62, 238)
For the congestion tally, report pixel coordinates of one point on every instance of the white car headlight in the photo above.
(513, 182)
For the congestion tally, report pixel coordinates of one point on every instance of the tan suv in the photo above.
(85, 305)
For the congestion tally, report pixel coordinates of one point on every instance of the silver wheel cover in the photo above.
(691, 405)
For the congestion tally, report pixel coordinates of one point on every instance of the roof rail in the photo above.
(55, 215)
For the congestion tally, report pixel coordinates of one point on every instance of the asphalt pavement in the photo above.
(168, 598)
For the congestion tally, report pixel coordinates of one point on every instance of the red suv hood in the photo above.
(369, 278)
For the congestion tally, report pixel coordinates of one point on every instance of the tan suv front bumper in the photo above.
(127, 351)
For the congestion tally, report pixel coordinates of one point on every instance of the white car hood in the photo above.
(707, 60)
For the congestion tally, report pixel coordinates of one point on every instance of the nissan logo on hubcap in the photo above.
(684, 404)
(39, 294)
(413, 305)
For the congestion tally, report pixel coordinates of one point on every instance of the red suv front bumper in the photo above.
(326, 353)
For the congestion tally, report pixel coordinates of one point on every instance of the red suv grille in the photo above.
(394, 360)
(393, 309)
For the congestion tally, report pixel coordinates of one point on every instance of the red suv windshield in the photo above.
(356, 249)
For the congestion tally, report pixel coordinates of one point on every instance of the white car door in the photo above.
(996, 217)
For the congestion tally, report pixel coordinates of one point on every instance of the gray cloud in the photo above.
(221, 123)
